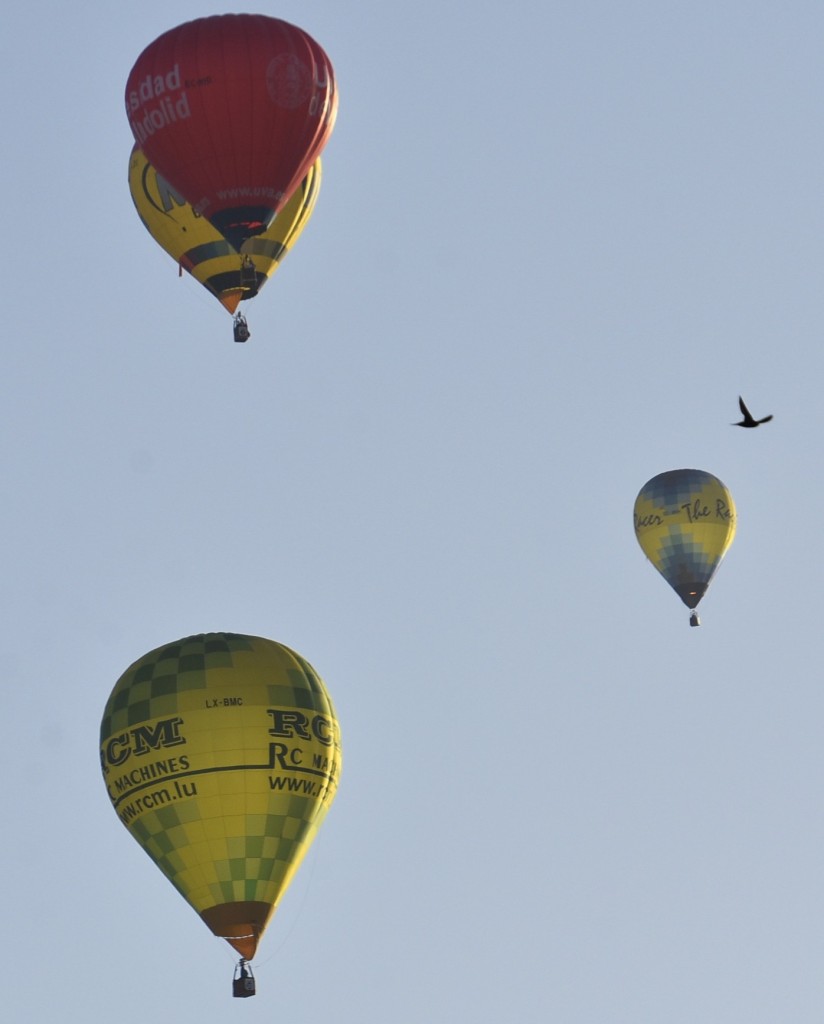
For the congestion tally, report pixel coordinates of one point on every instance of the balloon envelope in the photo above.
(233, 110)
(685, 522)
(221, 756)
(197, 246)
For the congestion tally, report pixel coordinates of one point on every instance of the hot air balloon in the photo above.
(221, 756)
(685, 522)
(198, 247)
(233, 110)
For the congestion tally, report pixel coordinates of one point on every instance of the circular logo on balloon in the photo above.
(288, 80)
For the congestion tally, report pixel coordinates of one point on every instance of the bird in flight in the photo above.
(749, 420)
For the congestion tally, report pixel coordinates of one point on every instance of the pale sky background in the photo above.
(553, 243)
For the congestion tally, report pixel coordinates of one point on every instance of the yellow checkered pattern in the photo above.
(685, 522)
(221, 755)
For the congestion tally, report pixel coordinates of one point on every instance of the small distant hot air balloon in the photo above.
(232, 110)
(685, 522)
(221, 756)
(198, 247)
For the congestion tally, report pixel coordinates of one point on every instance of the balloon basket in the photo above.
(694, 620)
(243, 983)
(241, 328)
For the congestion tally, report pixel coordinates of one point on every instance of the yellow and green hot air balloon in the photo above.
(221, 755)
(195, 245)
(684, 522)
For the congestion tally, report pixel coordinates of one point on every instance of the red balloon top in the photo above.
(232, 111)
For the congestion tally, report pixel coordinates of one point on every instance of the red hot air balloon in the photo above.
(233, 110)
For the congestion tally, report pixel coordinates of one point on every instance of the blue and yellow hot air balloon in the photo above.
(685, 522)
(221, 756)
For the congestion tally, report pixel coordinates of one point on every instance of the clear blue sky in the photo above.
(554, 242)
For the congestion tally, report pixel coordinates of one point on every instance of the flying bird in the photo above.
(749, 420)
